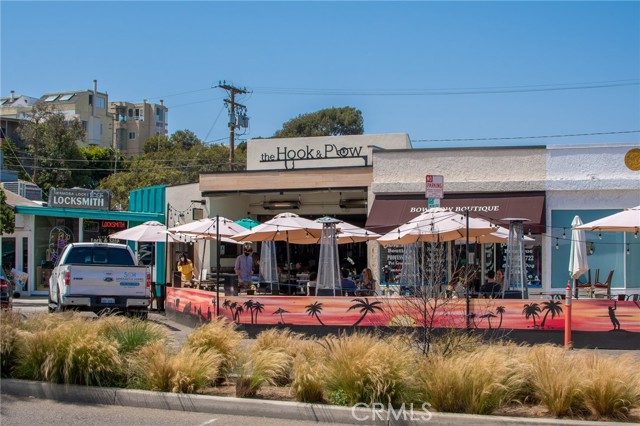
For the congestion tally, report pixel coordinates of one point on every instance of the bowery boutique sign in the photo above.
(79, 198)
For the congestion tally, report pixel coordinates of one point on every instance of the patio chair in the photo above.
(606, 286)
(585, 287)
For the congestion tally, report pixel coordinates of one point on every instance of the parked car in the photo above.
(5, 291)
(100, 277)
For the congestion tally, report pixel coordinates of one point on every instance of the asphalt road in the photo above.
(16, 411)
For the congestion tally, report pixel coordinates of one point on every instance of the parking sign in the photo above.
(434, 186)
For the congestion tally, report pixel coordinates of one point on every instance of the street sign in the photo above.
(434, 186)
(433, 202)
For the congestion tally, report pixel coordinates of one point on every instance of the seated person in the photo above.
(349, 287)
(311, 284)
(368, 284)
(490, 288)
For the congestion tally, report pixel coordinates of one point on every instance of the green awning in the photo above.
(89, 214)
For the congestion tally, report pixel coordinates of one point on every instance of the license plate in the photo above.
(108, 300)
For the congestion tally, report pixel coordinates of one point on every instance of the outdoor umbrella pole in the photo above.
(288, 264)
(467, 271)
(217, 266)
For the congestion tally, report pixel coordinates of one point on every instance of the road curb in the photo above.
(261, 408)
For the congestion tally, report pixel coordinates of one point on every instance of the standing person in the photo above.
(185, 267)
(244, 266)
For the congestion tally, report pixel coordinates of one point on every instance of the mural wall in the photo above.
(532, 314)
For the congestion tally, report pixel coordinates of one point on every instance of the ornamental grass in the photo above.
(130, 333)
(9, 340)
(221, 336)
(474, 383)
(309, 367)
(261, 368)
(155, 367)
(283, 340)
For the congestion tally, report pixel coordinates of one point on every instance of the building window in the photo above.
(85, 125)
(101, 103)
(130, 112)
(132, 135)
(159, 114)
(51, 98)
(100, 129)
(139, 114)
(90, 99)
(66, 97)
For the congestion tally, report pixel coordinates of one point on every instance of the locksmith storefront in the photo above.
(72, 215)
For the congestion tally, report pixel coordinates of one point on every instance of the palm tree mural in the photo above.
(231, 306)
(500, 311)
(488, 316)
(258, 308)
(248, 305)
(239, 310)
(280, 311)
(314, 310)
(553, 307)
(365, 308)
(531, 310)
(472, 317)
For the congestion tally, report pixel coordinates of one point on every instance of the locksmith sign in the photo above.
(78, 198)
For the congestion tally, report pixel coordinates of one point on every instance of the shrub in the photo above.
(155, 368)
(131, 334)
(364, 368)
(221, 335)
(474, 383)
(9, 340)
(261, 368)
(554, 378)
(611, 385)
(282, 340)
(309, 372)
(92, 360)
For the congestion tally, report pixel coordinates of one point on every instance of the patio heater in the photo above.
(410, 272)
(328, 262)
(515, 271)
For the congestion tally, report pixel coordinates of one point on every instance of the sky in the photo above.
(446, 73)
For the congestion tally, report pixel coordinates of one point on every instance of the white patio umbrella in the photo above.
(578, 263)
(498, 237)
(627, 220)
(209, 228)
(285, 226)
(348, 233)
(148, 232)
(437, 225)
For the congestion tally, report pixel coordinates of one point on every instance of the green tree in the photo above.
(57, 159)
(101, 163)
(326, 122)
(166, 161)
(7, 216)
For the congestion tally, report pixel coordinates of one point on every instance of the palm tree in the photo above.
(531, 310)
(553, 307)
(280, 311)
(258, 307)
(314, 310)
(500, 310)
(248, 305)
(231, 306)
(365, 308)
(239, 310)
(472, 317)
(489, 315)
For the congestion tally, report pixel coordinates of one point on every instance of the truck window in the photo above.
(99, 256)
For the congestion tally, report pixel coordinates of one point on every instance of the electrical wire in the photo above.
(528, 137)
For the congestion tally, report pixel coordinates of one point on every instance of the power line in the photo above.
(528, 137)
(448, 91)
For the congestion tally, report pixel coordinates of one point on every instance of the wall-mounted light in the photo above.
(281, 205)
(591, 247)
(353, 204)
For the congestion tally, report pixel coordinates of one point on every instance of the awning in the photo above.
(387, 214)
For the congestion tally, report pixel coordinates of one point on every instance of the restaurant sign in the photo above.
(289, 156)
(79, 198)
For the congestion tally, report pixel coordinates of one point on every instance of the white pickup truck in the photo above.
(100, 277)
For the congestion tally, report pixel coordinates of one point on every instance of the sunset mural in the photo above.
(530, 314)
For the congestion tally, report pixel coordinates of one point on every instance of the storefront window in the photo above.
(51, 237)
(608, 250)
(96, 231)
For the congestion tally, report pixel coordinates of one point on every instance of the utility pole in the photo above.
(237, 115)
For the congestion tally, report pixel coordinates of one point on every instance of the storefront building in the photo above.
(73, 215)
